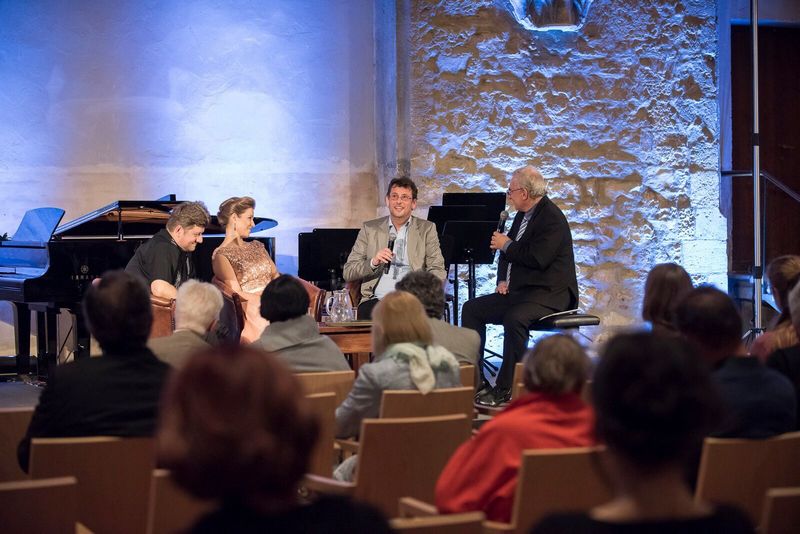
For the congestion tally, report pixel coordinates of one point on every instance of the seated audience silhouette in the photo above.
(666, 285)
(760, 402)
(197, 308)
(482, 474)
(292, 334)
(787, 361)
(465, 344)
(116, 394)
(405, 359)
(783, 273)
(234, 428)
(654, 403)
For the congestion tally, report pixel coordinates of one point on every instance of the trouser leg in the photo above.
(515, 338)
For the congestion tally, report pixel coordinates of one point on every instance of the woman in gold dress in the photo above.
(244, 266)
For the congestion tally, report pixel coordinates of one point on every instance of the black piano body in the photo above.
(46, 267)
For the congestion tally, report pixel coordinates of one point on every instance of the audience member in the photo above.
(292, 334)
(760, 402)
(405, 359)
(666, 285)
(465, 344)
(165, 261)
(654, 404)
(783, 273)
(234, 428)
(116, 394)
(482, 474)
(787, 361)
(197, 308)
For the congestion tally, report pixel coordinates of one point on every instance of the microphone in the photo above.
(501, 225)
(390, 246)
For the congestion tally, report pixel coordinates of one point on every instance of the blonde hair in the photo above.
(234, 205)
(399, 318)
(197, 305)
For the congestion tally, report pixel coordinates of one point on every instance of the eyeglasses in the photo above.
(404, 198)
(510, 191)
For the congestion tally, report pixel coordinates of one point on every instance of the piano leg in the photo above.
(22, 337)
(46, 340)
(82, 336)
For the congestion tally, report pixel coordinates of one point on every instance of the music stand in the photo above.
(494, 202)
(322, 254)
(471, 240)
(439, 215)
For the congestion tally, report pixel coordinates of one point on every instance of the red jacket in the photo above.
(482, 474)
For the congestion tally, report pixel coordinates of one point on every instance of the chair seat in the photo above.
(565, 320)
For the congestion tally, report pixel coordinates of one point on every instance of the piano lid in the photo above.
(27, 249)
(137, 218)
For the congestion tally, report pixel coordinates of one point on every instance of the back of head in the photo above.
(234, 425)
(399, 318)
(118, 312)
(197, 306)
(234, 205)
(709, 318)
(284, 298)
(654, 400)
(783, 274)
(531, 179)
(666, 285)
(557, 364)
(187, 215)
(794, 307)
(428, 290)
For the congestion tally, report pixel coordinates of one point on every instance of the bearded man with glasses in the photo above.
(535, 277)
(388, 248)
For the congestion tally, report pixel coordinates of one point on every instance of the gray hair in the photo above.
(557, 364)
(794, 306)
(197, 305)
(531, 180)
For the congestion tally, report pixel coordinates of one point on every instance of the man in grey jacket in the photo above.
(388, 248)
(464, 343)
(292, 334)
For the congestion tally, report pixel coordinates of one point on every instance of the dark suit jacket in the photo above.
(111, 395)
(543, 264)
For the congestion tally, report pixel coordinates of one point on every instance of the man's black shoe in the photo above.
(495, 397)
(485, 388)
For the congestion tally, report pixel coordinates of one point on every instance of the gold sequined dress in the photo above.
(254, 269)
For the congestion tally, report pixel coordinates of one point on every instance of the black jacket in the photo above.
(542, 260)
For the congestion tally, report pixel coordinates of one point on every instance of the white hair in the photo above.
(794, 306)
(531, 179)
(197, 305)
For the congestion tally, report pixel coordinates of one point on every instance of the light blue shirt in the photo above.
(399, 266)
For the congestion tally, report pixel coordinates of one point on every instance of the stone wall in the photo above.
(621, 115)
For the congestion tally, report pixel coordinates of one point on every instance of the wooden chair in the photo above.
(467, 375)
(13, 425)
(397, 458)
(171, 509)
(323, 405)
(337, 382)
(781, 511)
(407, 403)
(113, 473)
(740, 471)
(518, 388)
(231, 316)
(316, 299)
(37, 506)
(469, 523)
(163, 316)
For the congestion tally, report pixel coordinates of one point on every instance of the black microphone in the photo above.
(501, 225)
(390, 246)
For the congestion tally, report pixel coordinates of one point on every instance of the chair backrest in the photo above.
(163, 316)
(323, 405)
(555, 480)
(412, 403)
(113, 477)
(467, 375)
(49, 505)
(231, 316)
(316, 299)
(337, 382)
(171, 509)
(404, 457)
(517, 388)
(468, 523)
(781, 511)
(13, 425)
(740, 471)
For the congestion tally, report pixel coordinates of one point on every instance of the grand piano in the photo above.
(45, 267)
